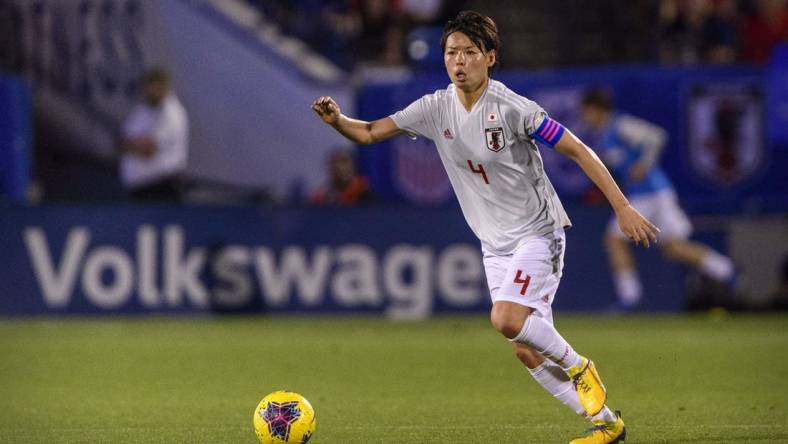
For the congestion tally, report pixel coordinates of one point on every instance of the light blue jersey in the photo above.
(625, 141)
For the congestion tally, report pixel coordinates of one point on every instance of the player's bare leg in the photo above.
(697, 255)
(619, 253)
(684, 251)
(629, 290)
(517, 324)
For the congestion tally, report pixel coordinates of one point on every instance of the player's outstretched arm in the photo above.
(358, 131)
(632, 223)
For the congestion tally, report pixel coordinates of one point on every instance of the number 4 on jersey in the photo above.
(479, 169)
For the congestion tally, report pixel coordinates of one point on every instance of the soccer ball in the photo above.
(284, 417)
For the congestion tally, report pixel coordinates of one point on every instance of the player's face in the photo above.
(154, 92)
(592, 116)
(465, 62)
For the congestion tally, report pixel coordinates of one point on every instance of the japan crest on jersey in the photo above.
(495, 140)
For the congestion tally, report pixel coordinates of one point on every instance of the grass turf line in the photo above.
(447, 380)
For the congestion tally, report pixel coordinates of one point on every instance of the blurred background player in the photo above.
(486, 136)
(345, 187)
(631, 147)
(154, 145)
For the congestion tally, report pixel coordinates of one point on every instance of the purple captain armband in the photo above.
(549, 132)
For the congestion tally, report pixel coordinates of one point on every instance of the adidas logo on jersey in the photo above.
(447, 134)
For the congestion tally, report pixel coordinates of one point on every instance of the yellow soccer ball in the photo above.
(284, 417)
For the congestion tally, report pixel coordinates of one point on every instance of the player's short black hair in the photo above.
(157, 74)
(598, 98)
(480, 28)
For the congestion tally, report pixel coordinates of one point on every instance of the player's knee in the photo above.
(508, 322)
(670, 249)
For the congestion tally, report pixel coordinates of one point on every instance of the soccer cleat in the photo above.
(604, 433)
(588, 386)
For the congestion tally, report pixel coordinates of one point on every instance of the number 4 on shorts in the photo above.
(518, 279)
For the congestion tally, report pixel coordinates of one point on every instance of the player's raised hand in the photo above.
(636, 227)
(327, 109)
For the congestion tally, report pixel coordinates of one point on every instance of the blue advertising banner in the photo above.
(401, 262)
(158, 259)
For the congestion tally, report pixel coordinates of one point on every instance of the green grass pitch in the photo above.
(677, 379)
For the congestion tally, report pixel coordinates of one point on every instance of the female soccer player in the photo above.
(485, 135)
(631, 148)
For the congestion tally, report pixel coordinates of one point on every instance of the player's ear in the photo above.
(492, 56)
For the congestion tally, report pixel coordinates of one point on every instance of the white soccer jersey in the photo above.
(168, 125)
(492, 162)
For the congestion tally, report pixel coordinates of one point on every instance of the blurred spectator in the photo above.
(343, 27)
(719, 41)
(764, 28)
(423, 12)
(689, 31)
(345, 186)
(154, 144)
(680, 26)
(382, 33)
(346, 31)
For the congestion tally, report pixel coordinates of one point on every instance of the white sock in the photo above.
(555, 380)
(605, 415)
(717, 266)
(628, 287)
(544, 338)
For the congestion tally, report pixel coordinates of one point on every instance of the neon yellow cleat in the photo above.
(589, 387)
(604, 433)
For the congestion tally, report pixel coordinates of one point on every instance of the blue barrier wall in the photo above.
(694, 104)
(15, 137)
(403, 262)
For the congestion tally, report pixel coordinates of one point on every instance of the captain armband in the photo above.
(549, 132)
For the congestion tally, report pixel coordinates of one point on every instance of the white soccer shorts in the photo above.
(663, 210)
(531, 275)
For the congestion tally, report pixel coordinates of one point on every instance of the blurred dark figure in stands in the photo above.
(423, 12)
(764, 27)
(342, 28)
(346, 31)
(720, 38)
(382, 33)
(695, 31)
(680, 28)
(154, 143)
(345, 186)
